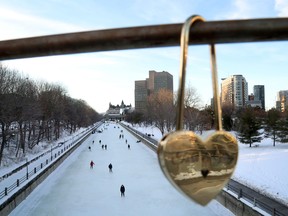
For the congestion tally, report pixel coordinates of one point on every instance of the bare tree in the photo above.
(161, 110)
(192, 115)
(36, 111)
(8, 80)
(191, 98)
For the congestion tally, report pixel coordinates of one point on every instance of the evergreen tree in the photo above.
(249, 126)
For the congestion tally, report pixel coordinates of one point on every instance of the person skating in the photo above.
(91, 164)
(122, 190)
(110, 167)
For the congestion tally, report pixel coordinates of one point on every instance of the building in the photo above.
(282, 100)
(257, 98)
(117, 112)
(259, 95)
(141, 93)
(155, 82)
(234, 91)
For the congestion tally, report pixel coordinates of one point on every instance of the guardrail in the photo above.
(40, 167)
(144, 136)
(36, 158)
(253, 200)
(239, 192)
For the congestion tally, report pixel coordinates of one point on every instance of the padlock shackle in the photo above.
(184, 42)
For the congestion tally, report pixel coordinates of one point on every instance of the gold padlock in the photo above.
(199, 169)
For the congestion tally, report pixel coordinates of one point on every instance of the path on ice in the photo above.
(75, 189)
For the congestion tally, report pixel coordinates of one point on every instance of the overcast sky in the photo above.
(103, 77)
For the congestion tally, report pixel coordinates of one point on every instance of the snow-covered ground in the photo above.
(261, 167)
(75, 189)
(43, 154)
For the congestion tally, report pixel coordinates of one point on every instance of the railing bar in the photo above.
(232, 31)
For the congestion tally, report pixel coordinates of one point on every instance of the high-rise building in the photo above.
(155, 82)
(259, 94)
(234, 91)
(282, 100)
(141, 93)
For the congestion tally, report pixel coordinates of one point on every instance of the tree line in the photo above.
(251, 124)
(37, 110)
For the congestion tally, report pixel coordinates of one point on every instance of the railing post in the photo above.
(254, 202)
(18, 183)
(35, 170)
(27, 175)
(240, 193)
(274, 211)
(6, 191)
(41, 165)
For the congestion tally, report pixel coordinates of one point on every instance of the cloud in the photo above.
(157, 11)
(241, 9)
(18, 24)
(281, 7)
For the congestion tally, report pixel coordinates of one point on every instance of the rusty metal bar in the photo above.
(233, 31)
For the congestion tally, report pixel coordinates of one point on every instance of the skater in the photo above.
(102, 146)
(128, 146)
(93, 142)
(99, 141)
(89, 148)
(91, 164)
(126, 141)
(105, 147)
(122, 190)
(110, 167)
(120, 136)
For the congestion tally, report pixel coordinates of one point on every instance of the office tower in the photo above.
(234, 91)
(259, 94)
(282, 100)
(155, 82)
(141, 93)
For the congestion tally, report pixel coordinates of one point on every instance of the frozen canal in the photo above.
(76, 189)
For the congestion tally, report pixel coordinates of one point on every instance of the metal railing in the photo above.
(231, 31)
(27, 177)
(253, 200)
(36, 158)
(147, 137)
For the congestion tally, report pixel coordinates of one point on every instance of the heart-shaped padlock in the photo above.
(199, 169)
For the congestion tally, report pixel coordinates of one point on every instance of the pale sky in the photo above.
(103, 77)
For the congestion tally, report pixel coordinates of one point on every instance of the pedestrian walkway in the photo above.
(76, 189)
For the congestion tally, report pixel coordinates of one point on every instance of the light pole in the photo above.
(51, 153)
(27, 171)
